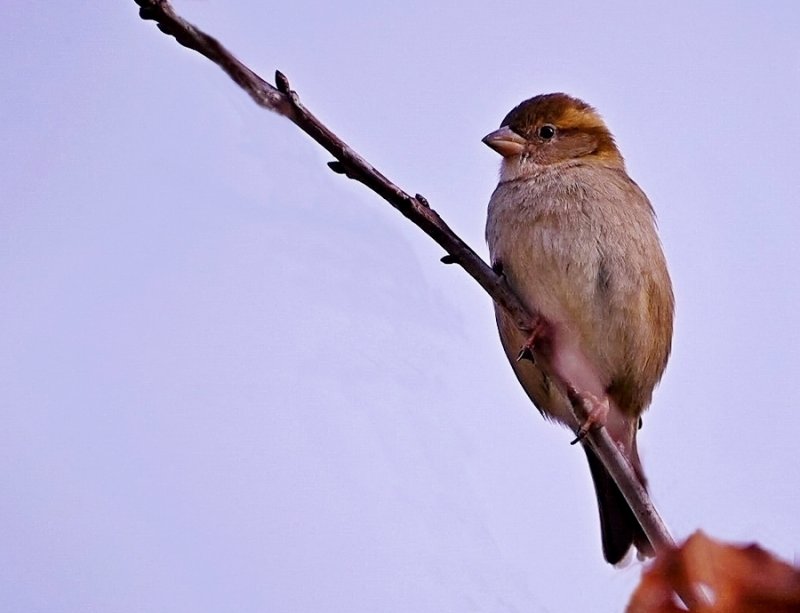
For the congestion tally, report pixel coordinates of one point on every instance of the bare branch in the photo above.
(169, 22)
(283, 100)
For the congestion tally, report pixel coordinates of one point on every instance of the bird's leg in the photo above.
(596, 412)
(537, 330)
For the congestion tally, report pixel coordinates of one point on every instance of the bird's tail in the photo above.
(618, 525)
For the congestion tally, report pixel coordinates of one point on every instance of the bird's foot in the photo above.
(537, 330)
(597, 413)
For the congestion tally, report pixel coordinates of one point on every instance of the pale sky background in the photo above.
(231, 380)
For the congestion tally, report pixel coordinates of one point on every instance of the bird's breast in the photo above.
(543, 237)
(580, 248)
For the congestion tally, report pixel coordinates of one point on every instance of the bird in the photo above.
(576, 239)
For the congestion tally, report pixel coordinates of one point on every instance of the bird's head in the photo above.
(552, 129)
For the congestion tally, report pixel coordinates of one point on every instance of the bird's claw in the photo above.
(597, 413)
(537, 330)
(526, 353)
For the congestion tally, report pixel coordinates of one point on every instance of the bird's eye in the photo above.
(547, 132)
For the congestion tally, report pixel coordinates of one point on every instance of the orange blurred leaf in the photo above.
(746, 579)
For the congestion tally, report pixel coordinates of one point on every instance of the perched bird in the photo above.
(576, 240)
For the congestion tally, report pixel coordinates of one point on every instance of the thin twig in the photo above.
(283, 100)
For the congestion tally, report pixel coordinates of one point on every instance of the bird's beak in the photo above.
(505, 141)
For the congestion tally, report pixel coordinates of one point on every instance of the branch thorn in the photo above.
(449, 259)
(282, 83)
(341, 168)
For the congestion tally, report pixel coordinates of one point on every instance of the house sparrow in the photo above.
(576, 240)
